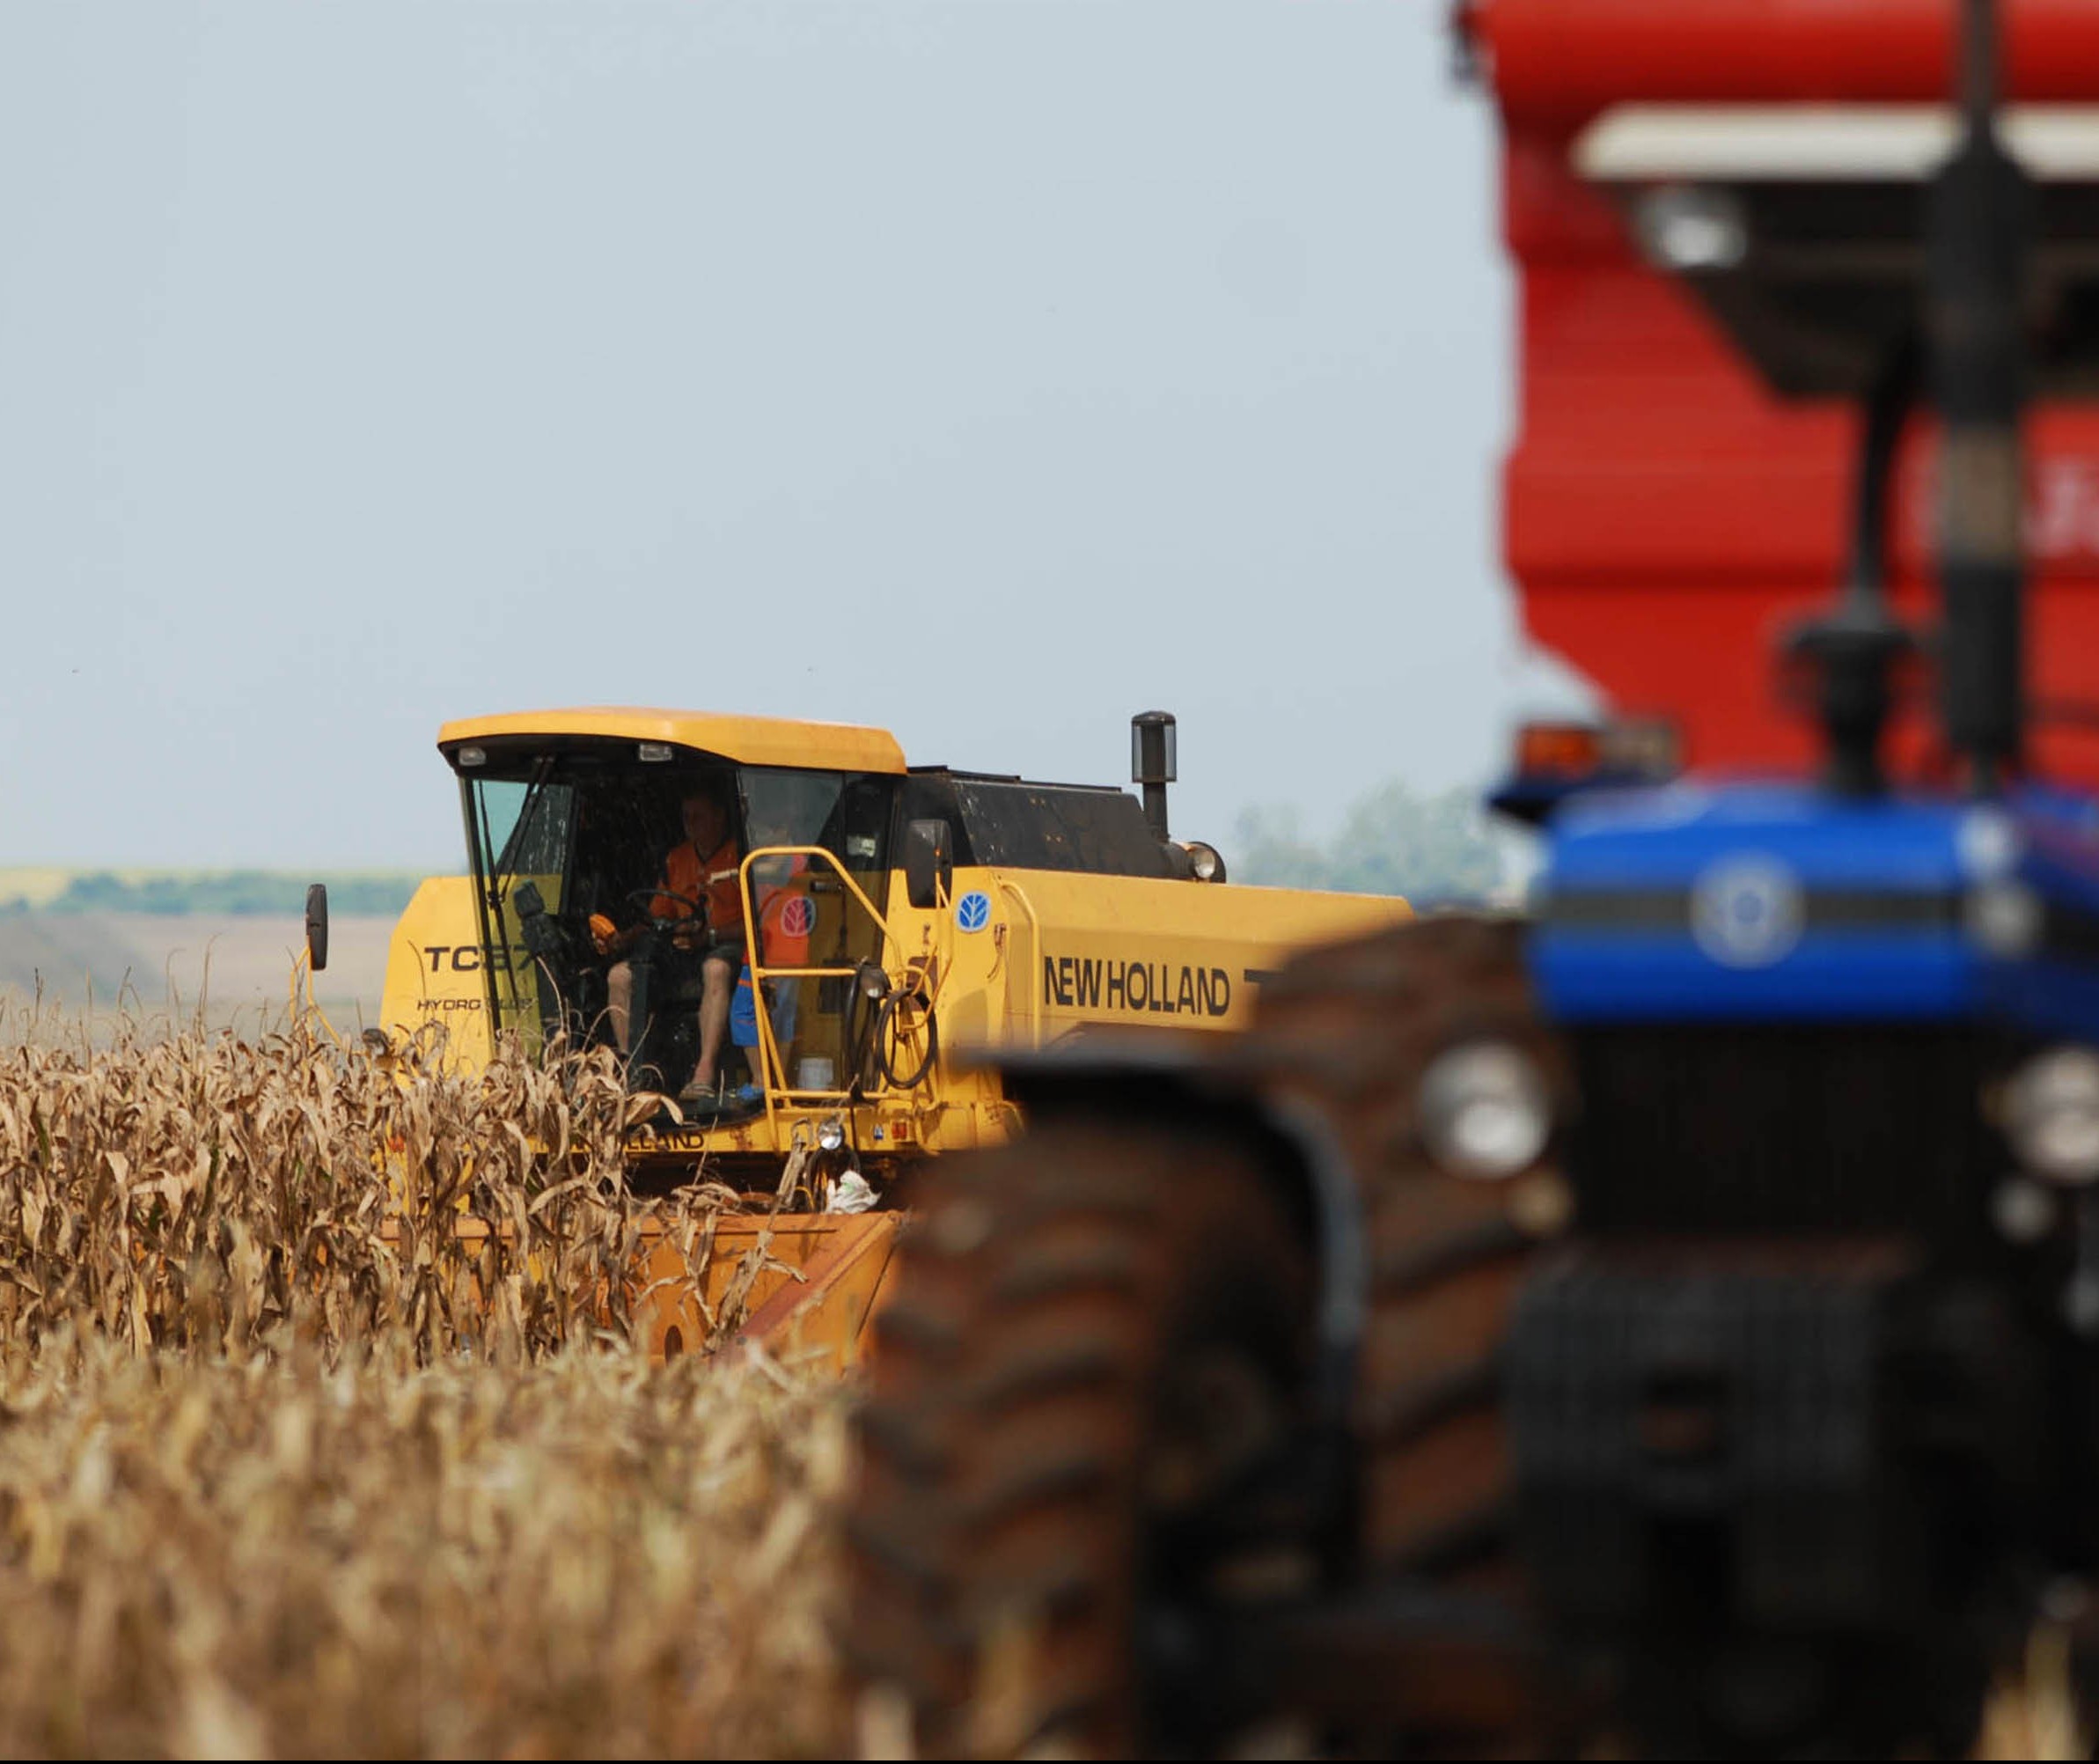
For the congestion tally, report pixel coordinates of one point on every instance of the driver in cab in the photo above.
(699, 883)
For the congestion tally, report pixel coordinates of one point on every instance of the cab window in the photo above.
(847, 815)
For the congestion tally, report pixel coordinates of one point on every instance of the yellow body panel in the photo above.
(433, 972)
(749, 740)
(1089, 952)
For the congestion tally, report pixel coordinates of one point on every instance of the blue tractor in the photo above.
(1667, 1322)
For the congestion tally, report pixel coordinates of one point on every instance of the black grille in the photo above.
(1694, 1129)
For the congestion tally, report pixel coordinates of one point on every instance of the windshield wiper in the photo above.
(535, 796)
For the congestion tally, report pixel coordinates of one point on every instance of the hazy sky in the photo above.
(987, 370)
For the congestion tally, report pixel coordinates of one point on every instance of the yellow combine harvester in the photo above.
(801, 939)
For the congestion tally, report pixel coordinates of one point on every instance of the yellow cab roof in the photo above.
(748, 740)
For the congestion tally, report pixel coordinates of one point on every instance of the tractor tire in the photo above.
(1100, 1339)
(1345, 1034)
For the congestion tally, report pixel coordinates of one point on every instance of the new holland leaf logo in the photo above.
(1746, 911)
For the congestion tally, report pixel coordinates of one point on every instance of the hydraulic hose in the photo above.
(884, 1024)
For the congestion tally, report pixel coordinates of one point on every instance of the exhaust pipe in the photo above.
(1974, 317)
(1153, 763)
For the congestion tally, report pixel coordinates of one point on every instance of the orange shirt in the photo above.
(712, 879)
(786, 914)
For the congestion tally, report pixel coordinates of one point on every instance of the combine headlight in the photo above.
(1484, 1111)
(2052, 1114)
(1205, 860)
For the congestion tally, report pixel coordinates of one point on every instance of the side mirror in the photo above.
(317, 926)
(929, 862)
(542, 935)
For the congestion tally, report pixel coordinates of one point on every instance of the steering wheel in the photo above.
(608, 941)
(647, 897)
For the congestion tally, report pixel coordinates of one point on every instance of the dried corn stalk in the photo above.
(200, 1191)
(276, 1557)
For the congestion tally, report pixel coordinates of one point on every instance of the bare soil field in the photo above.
(236, 965)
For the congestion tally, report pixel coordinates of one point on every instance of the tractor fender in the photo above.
(1177, 1091)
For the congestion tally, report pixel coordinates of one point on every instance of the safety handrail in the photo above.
(775, 1066)
(1034, 958)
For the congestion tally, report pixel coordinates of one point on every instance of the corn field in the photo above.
(208, 1194)
(290, 1463)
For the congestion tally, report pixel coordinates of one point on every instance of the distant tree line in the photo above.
(1440, 849)
(257, 892)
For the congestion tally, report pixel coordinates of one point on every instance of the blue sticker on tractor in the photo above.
(973, 911)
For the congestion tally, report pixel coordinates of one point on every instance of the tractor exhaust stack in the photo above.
(1978, 225)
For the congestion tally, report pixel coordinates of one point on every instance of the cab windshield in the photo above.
(603, 922)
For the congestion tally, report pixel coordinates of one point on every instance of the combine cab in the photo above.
(1676, 1327)
(879, 927)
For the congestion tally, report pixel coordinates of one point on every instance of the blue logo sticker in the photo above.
(1746, 911)
(973, 911)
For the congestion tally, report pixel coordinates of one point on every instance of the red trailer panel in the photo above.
(1663, 509)
(1565, 59)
